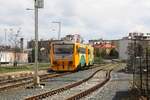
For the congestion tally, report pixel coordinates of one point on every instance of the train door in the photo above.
(87, 56)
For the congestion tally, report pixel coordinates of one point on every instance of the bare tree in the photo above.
(1, 49)
(0, 56)
(1, 53)
(15, 41)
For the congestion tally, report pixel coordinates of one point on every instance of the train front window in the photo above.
(63, 49)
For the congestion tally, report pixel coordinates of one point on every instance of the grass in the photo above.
(28, 67)
(98, 60)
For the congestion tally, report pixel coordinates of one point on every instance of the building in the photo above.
(107, 46)
(145, 36)
(44, 48)
(122, 45)
(103, 48)
(73, 37)
(107, 42)
(126, 42)
(123, 48)
(97, 41)
(10, 55)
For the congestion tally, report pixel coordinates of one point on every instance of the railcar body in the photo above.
(69, 56)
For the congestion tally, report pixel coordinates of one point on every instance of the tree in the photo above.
(130, 53)
(97, 52)
(0, 57)
(114, 53)
(2, 48)
(14, 39)
(139, 50)
(103, 53)
(33, 55)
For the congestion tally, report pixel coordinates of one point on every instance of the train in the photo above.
(70, 56)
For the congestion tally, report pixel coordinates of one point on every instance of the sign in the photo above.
(39, 3)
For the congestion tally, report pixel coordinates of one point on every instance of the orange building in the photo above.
(104, 46)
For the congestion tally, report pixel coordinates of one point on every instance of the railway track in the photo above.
(92, 89)
(2, 82)
(28, 81)
(78, 89)
(5, 85)
(6, 81)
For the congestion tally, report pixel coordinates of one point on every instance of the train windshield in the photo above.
(63, 49)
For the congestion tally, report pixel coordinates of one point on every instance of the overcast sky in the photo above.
(92, 19)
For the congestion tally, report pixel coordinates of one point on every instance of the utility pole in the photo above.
(147, 73)
(37, 4)
(5, 35)
(134, 62)
(36, 77)
(6, 44)
(59, 30)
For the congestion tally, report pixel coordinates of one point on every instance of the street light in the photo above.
(59, 30)
(37, 4)
(134, 58)
(29, 9)
(6, 44)
(147, 74)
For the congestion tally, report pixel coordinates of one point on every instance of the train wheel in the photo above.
(78, 67)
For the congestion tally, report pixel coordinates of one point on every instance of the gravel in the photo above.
(116, 89)
(99, 77)
(50, 84)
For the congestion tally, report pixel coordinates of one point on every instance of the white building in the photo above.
(124, 43)
(74, 38)
(9, 57)
(123, 48)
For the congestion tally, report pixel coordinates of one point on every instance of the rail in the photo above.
(50, 93)
(28, 80)
(92, 89)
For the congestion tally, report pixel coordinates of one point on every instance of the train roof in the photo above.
(62, 42)
(68, 42)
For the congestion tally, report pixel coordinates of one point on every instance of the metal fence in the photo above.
(141, 69)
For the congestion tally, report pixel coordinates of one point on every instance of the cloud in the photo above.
(92, 19)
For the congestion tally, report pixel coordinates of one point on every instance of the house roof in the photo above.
(104, 45)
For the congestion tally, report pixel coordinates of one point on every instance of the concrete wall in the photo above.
(10, 57)
(123, 49)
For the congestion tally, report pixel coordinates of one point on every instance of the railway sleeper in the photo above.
(65, 88)
(90, 90)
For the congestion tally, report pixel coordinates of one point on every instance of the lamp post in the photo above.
(134, 62)
(37, 4)
(36, 77)
(147, 74)
(140, 61)
(59, 30)
(133, 40)
(6, 44)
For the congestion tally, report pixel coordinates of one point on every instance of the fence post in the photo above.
(147, 85)
(134, 62)
(141, 80)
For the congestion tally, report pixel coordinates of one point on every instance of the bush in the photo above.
(114, 54)
(98, 60)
